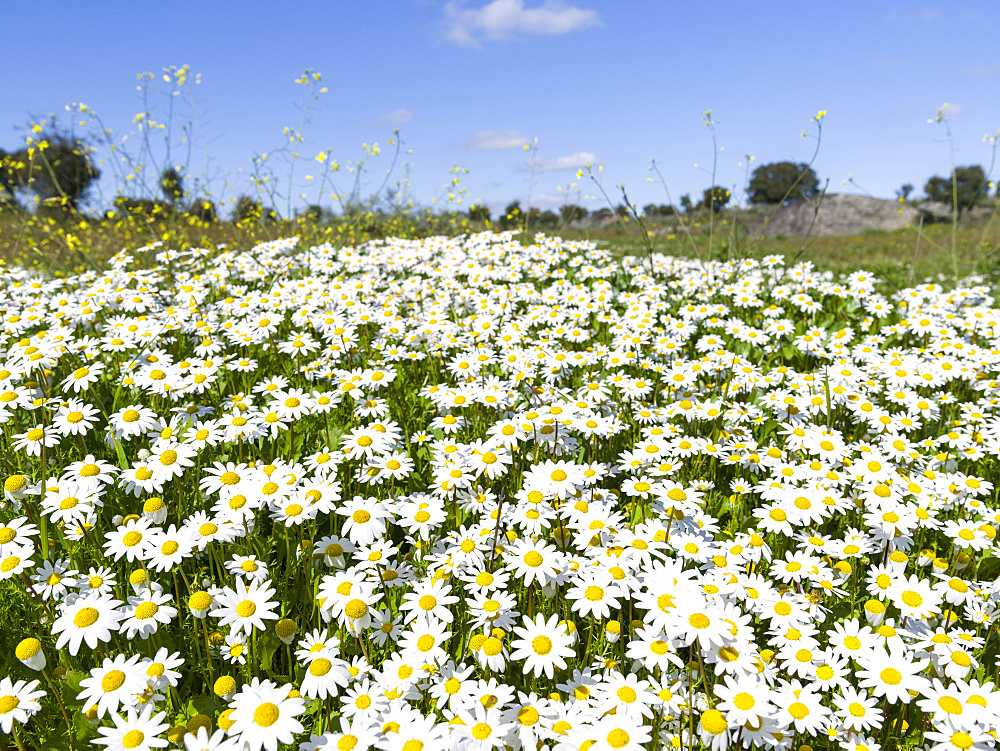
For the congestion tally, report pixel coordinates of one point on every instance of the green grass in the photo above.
(902, 257)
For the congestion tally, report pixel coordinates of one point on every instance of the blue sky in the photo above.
(467, 83)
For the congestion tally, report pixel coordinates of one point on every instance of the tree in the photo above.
(570, 212)
(715, 198)
(965, 188)
(60, 173)
(686, 203)
(651, 209)
(779, 182)
(541, 219)
(479, 213)
(250, 211)
(903, 193)
(145, 208)
(203, 209)
(314, 214)
(8, 177)
(512, 215)
(172, 186)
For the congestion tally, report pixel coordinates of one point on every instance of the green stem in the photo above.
(62, 706)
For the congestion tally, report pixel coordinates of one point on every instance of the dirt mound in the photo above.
(840, 214)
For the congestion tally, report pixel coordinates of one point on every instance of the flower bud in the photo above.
(199, 603)
(29, 652)
(286, 629)
(224, 687)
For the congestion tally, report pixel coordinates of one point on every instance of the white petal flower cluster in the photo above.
(489, 493)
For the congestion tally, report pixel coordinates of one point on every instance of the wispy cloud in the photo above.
(396, 118)
(982, 70)
(502, 20)
(569, 162)
(549, 200)
(498, 140)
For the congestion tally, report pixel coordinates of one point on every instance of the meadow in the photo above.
(407, 479)
(490, 490)
(66, 243)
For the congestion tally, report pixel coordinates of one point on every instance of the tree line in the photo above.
(57, 173)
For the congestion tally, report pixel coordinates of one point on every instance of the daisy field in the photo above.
(495, 492)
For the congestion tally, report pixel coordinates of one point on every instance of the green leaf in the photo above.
(122, 458)
(267, 645)
(204, 704)
(82, 729)
(71, 683)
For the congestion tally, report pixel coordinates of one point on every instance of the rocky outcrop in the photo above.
(840, 214)
(938, 211)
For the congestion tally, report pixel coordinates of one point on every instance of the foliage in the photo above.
(904, 191)
(779, 182)
(538, 219)
(314, 214)
(55, 168)
(8, 177)
(479, 213)
(571, 212)
(715, 198)
(963, 189)
(654, 210)
(204, 210)
(513, 216)
(148, 208)
(249, 210)
(172, 186)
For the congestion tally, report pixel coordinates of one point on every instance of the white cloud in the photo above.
(498, 140)
(501, 20)
(549, 200)
(396, 118)
(928, 14)
(569, 162)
